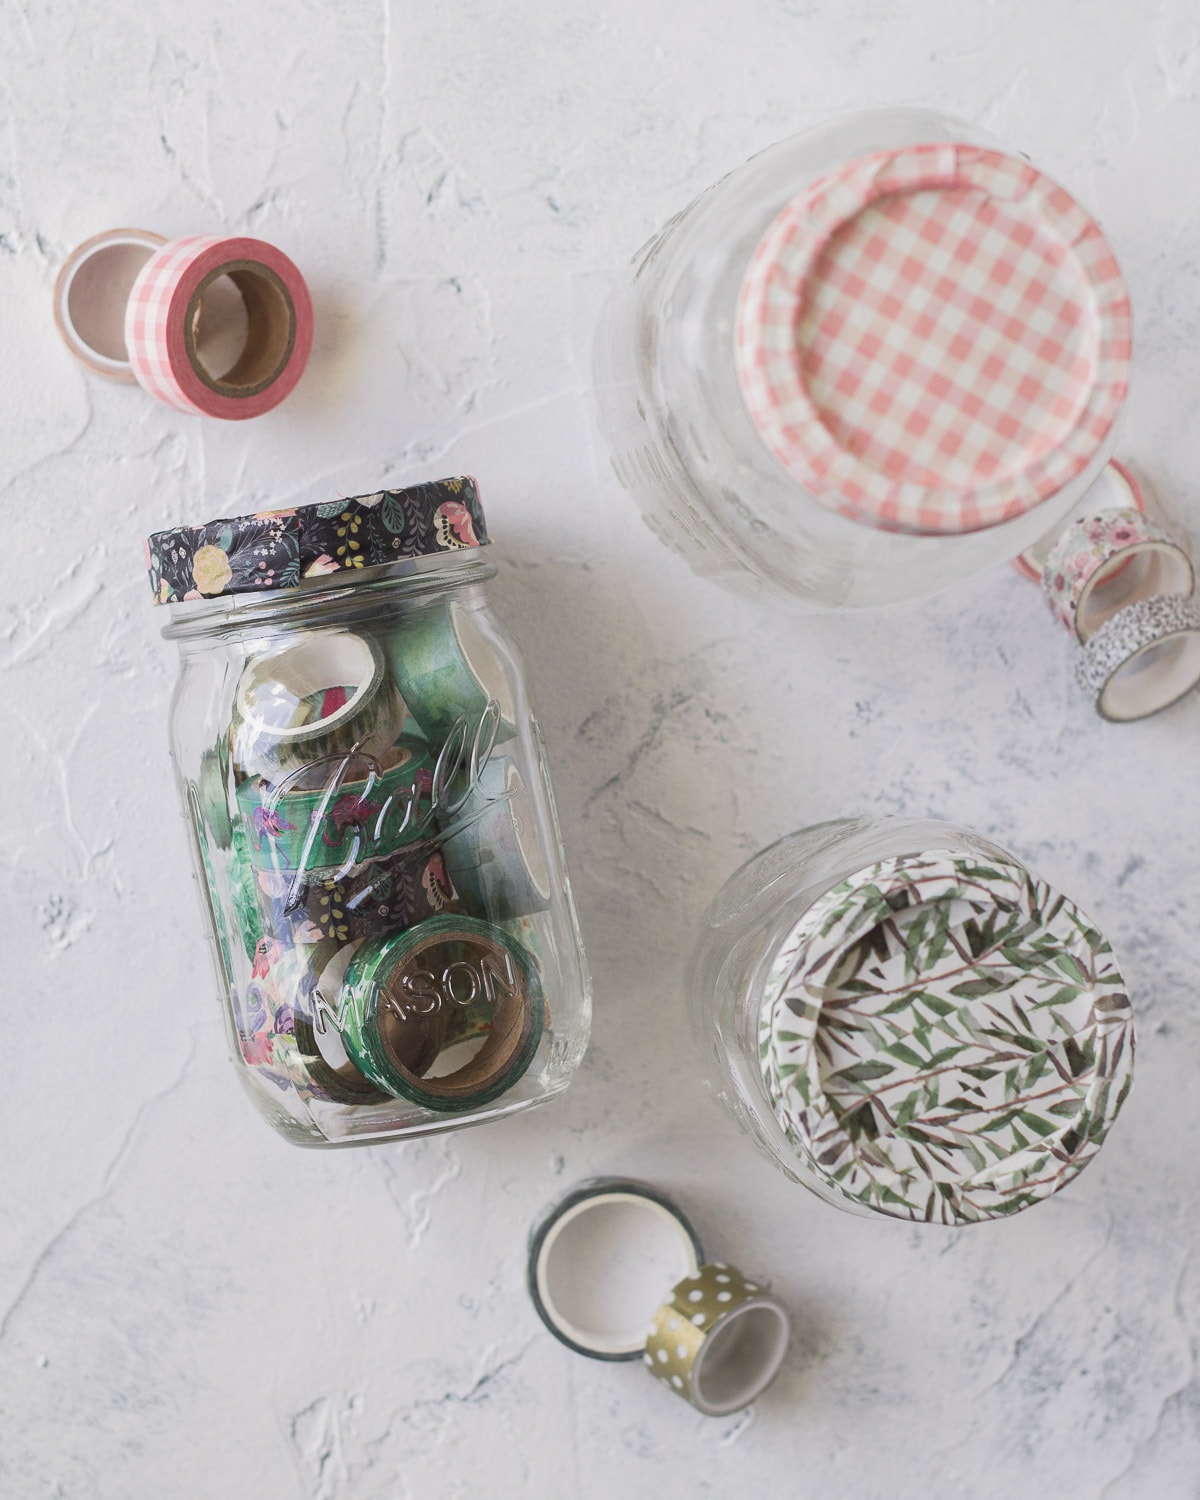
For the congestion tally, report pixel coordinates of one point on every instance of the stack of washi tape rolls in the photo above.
(1122, 584)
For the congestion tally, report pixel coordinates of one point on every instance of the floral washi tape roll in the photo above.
(321, 694)
(1142, 659)
(944, 1039)
(274, 550)
(616, 1258)
(448, 671)
(371, 900)
(491, 848)
(164, 321)
(91, 294)
(1108, 560)
(412, 978)
(1115, 489)
(340, 810)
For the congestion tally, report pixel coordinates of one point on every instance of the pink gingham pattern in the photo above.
(147, 318)
(933, 339)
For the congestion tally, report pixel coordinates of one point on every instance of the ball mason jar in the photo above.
(371, 818)
(909, 1022)
(878, 358)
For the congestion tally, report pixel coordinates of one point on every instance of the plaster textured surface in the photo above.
(189, 1307)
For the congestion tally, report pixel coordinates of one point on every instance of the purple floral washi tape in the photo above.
(1108, 560)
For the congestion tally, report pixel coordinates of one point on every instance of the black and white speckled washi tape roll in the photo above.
(1143, 659)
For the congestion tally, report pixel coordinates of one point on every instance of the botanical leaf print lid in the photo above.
(933, 339)
(278, 549)
(945, 1038)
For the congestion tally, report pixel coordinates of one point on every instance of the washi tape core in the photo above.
(739, 1358)
(602, 1263)
(270, 329)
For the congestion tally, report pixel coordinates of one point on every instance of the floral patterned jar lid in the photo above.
(933, 339)
(945, 1038)
(279, 549)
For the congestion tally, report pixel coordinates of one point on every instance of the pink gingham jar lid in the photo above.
(933, 339)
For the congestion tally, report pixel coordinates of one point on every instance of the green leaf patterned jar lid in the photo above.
(945, 1038)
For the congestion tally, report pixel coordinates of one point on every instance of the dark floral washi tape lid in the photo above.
(279, 549)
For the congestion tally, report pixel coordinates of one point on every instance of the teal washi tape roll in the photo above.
(448, 671)
(341, 810)
(491, 847)
(401, 989)
(321, 693)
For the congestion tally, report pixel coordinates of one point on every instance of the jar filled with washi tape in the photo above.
(910, 1022)
(373, 825)
(875, 360)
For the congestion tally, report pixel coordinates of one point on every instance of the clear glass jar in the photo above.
(372, 821)
(877, 359)
(909, 1022)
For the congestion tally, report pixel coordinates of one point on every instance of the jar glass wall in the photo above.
(909, 1022)
(745, 434)
(376, 842)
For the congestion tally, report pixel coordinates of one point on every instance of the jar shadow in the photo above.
(646, 736)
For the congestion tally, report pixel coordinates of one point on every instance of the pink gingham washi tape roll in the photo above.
(166, 307)
(933, 339)
(1107, 561)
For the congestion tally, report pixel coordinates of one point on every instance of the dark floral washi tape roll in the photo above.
(449, 963)
(370, 900)
(277, 549)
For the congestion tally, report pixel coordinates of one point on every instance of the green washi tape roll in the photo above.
(411, 984)
(448, 671)
(213, 788)
(341, 810)
(494, 858)
(243, 888)
(319, 1045)
(321, 693)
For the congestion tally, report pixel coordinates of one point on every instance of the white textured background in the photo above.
(190, 1307)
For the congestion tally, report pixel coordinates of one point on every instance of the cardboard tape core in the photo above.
(270, 329)
(92, 293)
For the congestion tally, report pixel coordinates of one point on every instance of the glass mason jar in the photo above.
(372, 822)
(875, 360)
(910, 1022)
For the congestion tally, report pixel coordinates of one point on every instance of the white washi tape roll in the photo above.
(1146, 657)
(321, 693)
(91, 295)
(164, 326)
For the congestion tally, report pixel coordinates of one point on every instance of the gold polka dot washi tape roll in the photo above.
(719, 1339)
